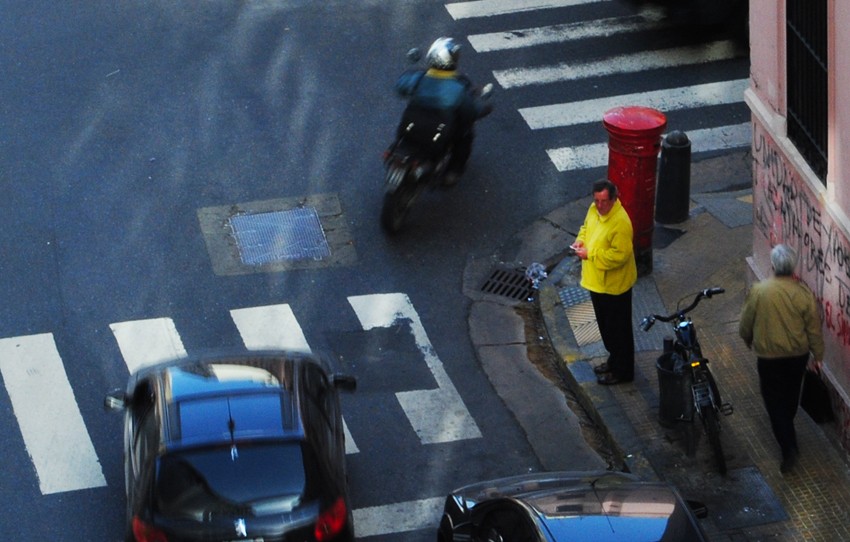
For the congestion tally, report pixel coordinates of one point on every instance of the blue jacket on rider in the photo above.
(444, 90)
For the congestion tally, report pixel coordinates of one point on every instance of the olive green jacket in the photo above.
(781, 319)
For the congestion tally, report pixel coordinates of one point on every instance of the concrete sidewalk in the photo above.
(620, 423)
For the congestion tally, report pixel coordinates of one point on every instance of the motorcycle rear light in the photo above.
(144, 532)
(331, 521)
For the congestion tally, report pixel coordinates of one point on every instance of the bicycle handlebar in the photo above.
(648, 321)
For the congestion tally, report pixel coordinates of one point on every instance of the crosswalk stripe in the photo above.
(488, 8)
(274, 327)
(437, 415)
(52, 427)
(671, 99)
(559, 33)
(398, 517)
(146, 342)
(630, 63)
(704, 140)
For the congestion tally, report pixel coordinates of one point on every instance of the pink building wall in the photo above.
(790, 204)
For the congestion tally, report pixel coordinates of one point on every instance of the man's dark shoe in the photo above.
(608, 379)
(602, 368)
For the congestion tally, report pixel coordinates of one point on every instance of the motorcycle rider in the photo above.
(443, 92)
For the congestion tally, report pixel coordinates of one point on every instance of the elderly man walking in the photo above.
(781, 322)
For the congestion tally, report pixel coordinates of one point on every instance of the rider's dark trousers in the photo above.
(461, 150)
(614, 318)
(780, 380)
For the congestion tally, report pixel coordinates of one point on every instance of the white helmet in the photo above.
(443, 54)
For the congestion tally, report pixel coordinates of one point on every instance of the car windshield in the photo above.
(648, 514)
(254, 478)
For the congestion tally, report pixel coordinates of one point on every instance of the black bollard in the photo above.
(673, 196)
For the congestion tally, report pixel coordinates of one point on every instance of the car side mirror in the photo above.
(414, 55)
(115, 401)
(344, 382)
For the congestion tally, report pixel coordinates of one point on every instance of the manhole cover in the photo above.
(295, 234)
(510, 283)
(742, 500)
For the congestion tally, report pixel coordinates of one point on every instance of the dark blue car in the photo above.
(248, 447)
(566, 506)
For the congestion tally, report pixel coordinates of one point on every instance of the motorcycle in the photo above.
(419, 157)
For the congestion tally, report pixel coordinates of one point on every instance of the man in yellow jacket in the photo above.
(605, 245)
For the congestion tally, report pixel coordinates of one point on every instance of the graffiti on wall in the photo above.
(787, 211)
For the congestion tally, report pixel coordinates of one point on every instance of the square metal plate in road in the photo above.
(290, 235)
(277, 235)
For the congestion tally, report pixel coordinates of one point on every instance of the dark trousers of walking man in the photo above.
(780, 380)
(614, 319)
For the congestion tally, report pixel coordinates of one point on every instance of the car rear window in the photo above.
(249, 479)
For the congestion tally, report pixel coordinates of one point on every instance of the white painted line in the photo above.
(488, 8)
(582, 157)
(350, 446)
(631, 63)
(52, 427)
(671, 99)
(705, 140)
(146, 342)
(399, 517)
(272, 327)
(560, 33)
(437, 415)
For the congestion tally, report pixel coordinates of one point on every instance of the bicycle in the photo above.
(685, 355)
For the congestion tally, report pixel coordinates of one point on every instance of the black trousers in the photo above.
(461, 150)
(780, 380)
(614, 318)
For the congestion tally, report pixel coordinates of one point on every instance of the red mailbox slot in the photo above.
(634, 141)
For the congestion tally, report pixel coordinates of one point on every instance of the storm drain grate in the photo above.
(510, 283)
(295, 234)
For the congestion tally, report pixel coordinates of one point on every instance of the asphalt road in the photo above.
(123, 127)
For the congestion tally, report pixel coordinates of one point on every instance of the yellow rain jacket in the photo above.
(610, 265)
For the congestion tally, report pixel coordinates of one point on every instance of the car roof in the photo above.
(221, 400)
(599, 506)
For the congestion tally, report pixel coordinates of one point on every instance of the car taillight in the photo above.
(331, 521)
(145, 532)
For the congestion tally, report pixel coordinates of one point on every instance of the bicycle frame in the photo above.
(705, 394)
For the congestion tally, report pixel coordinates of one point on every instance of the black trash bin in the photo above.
(675, 401)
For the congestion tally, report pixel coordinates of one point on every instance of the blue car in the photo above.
(566, 506)
(248, 447)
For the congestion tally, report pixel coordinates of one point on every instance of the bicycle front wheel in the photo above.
(712, 429)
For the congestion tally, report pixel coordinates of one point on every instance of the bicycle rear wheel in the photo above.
(712, 429)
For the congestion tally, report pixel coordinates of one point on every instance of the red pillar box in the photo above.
(634, 140)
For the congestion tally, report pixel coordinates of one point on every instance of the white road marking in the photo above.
(437, 415)
(52, 427)
(709, 139)
(560, 33)
(274, 327)
(631, 63)
(488, 8)
(271, 327)
(398, 517)
(146, 342)
(671, 99)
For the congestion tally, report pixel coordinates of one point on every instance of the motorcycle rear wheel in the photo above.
(396, 206)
